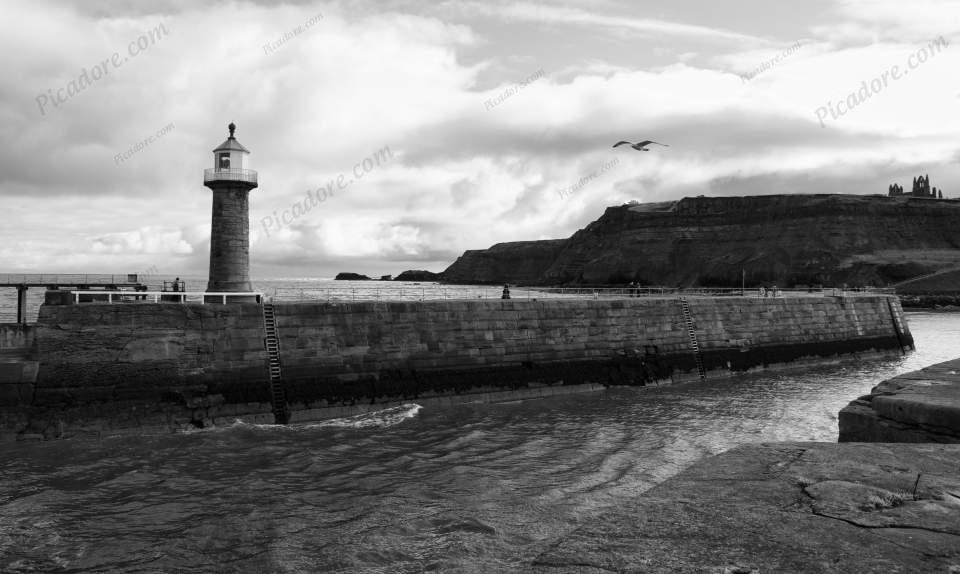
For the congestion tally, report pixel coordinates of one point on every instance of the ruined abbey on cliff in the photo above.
(921, 188)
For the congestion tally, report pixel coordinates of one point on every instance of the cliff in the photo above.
(784, 239)
(515, 262)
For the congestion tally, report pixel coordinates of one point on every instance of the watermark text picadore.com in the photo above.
(771, 63)
(270, 47)
(588, 178)
(513, 90)
(142, 144)
(87, 77)
(879, 83)
(314, 197)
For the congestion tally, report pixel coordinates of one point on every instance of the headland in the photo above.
(787, 240)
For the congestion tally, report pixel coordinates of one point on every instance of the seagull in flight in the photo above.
(642, 146)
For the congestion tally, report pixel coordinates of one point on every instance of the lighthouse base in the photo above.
(223, 292)
(230, 298)
(229, 286)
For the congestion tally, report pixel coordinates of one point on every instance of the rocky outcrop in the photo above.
(790, 507)
(518, 262)
(347, 276)
(418, 275)
(922, 406)
(786, 240)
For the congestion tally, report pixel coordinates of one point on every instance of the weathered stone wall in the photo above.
(230, 238)
(362, 351)
(18, 363)
(148, 351)
(169, 365)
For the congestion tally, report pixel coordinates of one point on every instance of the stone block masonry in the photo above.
(167, 366)
(374, 351)
(18, 363)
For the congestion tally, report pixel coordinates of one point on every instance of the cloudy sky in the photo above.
(499, 118)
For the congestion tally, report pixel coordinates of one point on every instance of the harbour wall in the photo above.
(107, 367)
(18, 363)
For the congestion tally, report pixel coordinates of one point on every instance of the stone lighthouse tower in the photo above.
(231, 182)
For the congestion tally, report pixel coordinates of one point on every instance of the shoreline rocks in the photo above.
(880, 505)
(782, 507)
(921, 406)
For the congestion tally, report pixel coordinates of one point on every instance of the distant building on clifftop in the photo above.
(921, 188)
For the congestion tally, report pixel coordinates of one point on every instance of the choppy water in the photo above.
(471, 488)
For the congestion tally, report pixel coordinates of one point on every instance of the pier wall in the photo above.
(378, 350)
(168, 365)
(18, 363)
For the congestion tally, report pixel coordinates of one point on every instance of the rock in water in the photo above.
(346, 276)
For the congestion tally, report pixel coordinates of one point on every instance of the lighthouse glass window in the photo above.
(224, 161)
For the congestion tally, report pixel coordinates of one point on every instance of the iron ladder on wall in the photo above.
(278, 398)
(897, 326)
(692, 333)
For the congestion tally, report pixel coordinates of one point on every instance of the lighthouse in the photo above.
(231, 182)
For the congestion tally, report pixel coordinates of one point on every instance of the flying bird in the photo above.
(642, 146)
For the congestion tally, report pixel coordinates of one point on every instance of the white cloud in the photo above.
(462, 176)
(544, 13)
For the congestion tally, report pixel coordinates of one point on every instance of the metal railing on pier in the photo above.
(69, 279)
(455, 292)
(104, 296)
(450, 293)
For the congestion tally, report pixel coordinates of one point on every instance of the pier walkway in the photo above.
(435, 291)
(60, 281)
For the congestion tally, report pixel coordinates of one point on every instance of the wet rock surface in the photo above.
(785, 507)
(921, 406)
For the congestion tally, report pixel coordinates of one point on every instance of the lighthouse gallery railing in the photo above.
(247, 175)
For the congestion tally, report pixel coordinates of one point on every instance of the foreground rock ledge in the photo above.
(784, 507)
(921, 406)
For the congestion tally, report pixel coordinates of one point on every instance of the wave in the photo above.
(383, 418)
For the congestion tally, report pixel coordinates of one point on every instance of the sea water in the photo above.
(468, 488)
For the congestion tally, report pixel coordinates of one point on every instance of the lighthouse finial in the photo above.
(232, 127)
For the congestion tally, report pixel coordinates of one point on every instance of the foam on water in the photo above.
(383, 418)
